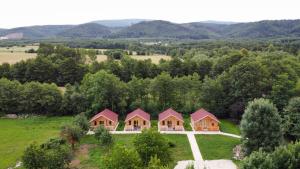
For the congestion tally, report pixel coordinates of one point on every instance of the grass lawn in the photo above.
(181, 151)
(229, 127)
(215, 147)
(17, 134)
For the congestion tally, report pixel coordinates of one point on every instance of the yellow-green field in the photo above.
(15, 54)
(11, 58)
(18, 48)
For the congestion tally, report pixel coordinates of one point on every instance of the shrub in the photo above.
(151, 143)
(53, 154)
(72, 134)
(103, 136)
(120, 157)
(82, 122)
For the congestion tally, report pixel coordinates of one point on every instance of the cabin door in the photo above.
(169, 123)
(135, 123)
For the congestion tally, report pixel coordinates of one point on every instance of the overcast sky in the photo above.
(14, 13)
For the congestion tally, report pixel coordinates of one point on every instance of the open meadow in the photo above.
(17, 134)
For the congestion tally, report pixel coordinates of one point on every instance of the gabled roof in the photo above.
(138, 112)
(201, 114)
(107, 114)
(169, 112)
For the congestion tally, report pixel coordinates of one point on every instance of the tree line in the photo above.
(223, 80)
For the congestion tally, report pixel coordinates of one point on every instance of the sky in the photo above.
(16, 13)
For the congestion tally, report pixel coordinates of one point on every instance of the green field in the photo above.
(16, 135)
(181, 151)
(227, 126)
(215, 147)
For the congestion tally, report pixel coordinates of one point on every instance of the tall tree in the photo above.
(104, 90)
(261, 126)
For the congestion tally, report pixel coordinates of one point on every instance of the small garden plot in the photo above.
(213, 147)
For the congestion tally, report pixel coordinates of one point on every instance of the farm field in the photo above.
(181, 151)
(16, 54)
(215, 147)
(11, 58)
(18, 48)
(17, 134)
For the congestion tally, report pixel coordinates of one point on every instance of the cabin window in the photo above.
(109, 122)
(177, 123)
(163, 123)
(101, 122)
(212, 124)
(129, 122)
(144, 122)
(95, 123)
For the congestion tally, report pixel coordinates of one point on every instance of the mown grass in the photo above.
(215, 147)
(17, 134)
(181, 151)
(229, 127)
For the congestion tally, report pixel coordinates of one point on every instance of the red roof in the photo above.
(201, 114)
(138, 112)
(107, 114)
(169, 112)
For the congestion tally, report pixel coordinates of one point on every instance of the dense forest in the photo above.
(222, 80)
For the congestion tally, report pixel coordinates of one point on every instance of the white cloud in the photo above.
(39, 12)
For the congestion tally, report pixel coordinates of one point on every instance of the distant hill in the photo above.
(158, 28)
(138, 28)
(119, 22)
(88, 30)
(34, 32)
(263, 29)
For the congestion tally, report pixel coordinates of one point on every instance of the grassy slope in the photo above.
(214, 147)
(181, 151)
(16, 135)
(229, 127)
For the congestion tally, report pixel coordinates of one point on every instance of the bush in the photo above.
(103, 136)
(34, 157)
(122, 158)
(72, 134)
(82, 122)
(151, 143)
(284, 157)
(51, 155)
(259, 160)
(155, 163)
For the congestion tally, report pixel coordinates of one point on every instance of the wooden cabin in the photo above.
(170, 120)
(106, 118)
(203, 120)
(137, 120)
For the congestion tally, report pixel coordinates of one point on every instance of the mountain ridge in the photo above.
(163, 29)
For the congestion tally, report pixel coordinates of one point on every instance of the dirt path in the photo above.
(81, 154)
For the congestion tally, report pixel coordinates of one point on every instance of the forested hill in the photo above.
(164, 29)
